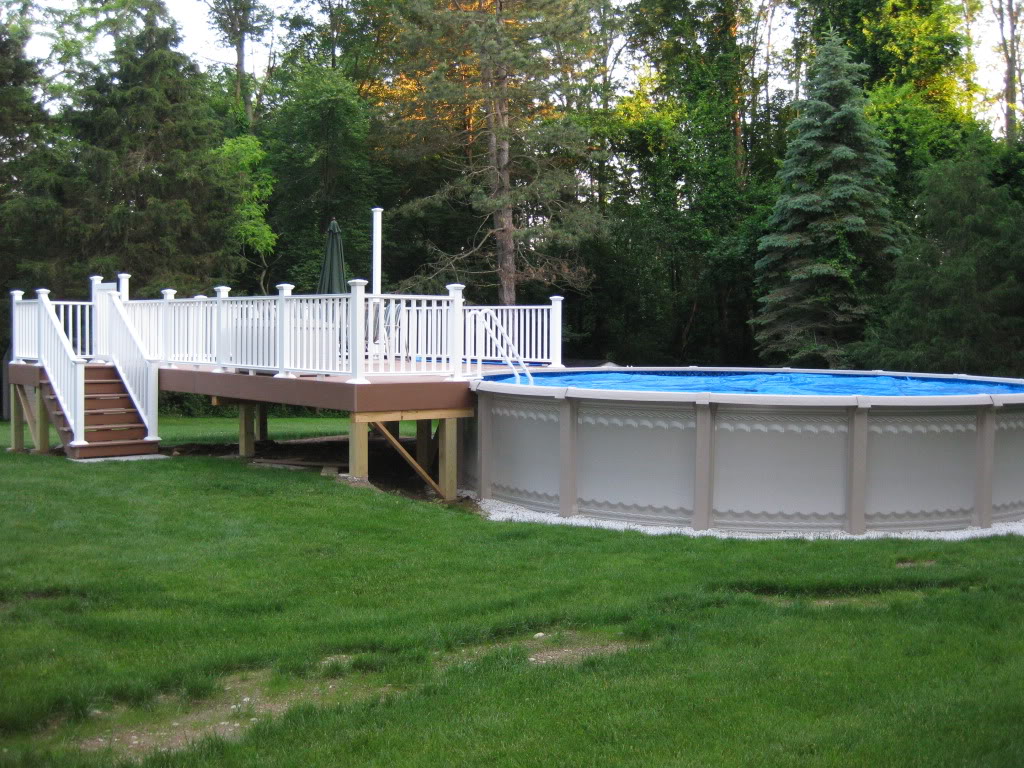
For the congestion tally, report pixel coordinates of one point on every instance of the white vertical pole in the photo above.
(375, 271)
(357, 339)
(122, 285)
(43, 295)
(219, 345)
(166, 331)
(16, 296)
(78, 404)
(556, 332)
(284, 332)
(99, 318)
(456, 330)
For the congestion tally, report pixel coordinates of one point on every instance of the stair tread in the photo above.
(125, 411)
(139, 441)
(100, 427)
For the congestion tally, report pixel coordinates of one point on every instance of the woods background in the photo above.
(719, 182)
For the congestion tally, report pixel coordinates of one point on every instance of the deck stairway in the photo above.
(113, 425)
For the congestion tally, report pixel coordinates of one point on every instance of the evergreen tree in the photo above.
(956, 303)
(129, 180)
(831, 236)
(479, 94)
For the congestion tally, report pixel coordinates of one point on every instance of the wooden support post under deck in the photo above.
(424, 440)
(246, 430)
(41, 436)
(448, 471)
(358, 450)
(17, 420)
(261, 421)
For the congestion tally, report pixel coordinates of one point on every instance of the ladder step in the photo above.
(112, 448)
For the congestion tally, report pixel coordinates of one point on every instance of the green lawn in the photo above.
(139, 598)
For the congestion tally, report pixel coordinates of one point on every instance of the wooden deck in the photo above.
(376, 405)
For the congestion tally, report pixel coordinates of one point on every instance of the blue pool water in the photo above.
(768, 383)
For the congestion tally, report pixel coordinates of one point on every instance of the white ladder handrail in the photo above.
(138, 371)
(64, 368)
(502, 342)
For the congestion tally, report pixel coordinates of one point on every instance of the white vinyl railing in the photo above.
(24, 328)
(138, 372)
(75, 317)
(64, 367)
(531, 328)
(484, 328)
(350, 335)
(408, 334)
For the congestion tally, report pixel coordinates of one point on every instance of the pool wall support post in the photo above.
(484, 426)
(857, 470)
(704, 467)
(568, 415)
(986, 452)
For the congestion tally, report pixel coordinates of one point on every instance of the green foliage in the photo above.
(128, 181)
(956, 303)
(317, 140)
(241, 160)
(831, 236)
(130, 587)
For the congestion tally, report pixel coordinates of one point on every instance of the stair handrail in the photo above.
(65, 369)
(139, 372)
(503, 344)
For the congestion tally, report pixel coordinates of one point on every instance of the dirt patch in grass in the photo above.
(560, 647)
(171, 723)
(914, 563)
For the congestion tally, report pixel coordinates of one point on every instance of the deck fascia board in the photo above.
(419, 393)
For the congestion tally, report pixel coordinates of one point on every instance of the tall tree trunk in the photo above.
(241, 89)
(1006, 12)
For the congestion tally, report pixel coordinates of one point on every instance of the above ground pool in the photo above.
(754, 449)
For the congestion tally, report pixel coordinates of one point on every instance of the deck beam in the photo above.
(414, 415)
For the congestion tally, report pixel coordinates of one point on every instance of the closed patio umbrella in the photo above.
(332, 273)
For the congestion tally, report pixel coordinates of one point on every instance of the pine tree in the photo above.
(129, 179)
(480, 96)
(831, 237)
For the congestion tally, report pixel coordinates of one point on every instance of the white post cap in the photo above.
(222, 291)
(168, 293)
(16, 295)
(285, 289)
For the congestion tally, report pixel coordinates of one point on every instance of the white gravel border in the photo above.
(501, 511)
